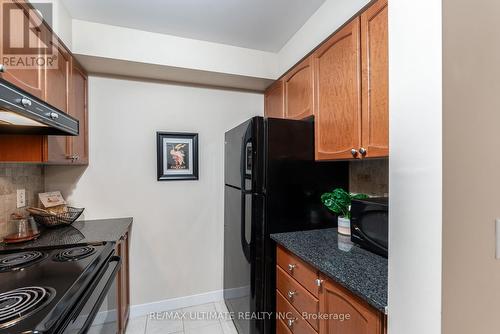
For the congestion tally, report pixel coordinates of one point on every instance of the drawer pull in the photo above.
(291, 267)
(291, 322)
(319, 282)
(291, 294)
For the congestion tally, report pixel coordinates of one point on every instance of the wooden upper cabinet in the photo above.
(79, 110)
(56, 93)
(337, 98)
(63, 85)
(19, 40)
(274, 100)
(375, 84)
(299, 91)
(363, 319)
(73, 150)
(58, 77)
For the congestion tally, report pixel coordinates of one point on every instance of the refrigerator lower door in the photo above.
(243, 274)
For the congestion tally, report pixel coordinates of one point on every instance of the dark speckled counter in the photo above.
(79, 232)
(360, 271)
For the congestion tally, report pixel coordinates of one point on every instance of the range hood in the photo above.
(21, 113)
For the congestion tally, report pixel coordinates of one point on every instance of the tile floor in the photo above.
(188, 325)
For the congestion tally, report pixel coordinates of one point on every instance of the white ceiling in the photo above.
(257, 24)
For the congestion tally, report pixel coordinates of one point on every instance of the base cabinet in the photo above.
(123, 286)
(339, 310)
(347, 314)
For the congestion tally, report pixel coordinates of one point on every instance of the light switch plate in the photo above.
(21, 198)
(497, 238)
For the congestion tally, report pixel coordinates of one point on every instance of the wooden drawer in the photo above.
(303, 273)
(281, 328)
(298, 324)
(297, 296)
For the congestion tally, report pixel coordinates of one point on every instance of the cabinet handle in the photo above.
(319, 282)
(2, 68)
(362, 150)
(291, 294)
(73, 157)
(25, 102)
(291, 267)
(291, 322)
(354, 152)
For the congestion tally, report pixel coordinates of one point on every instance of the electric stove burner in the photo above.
(18, 304)
(74, 254)
(21, 260)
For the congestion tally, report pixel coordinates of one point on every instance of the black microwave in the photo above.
(370, 224)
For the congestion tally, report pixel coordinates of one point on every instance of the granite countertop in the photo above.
(356, 269)
(79, 232)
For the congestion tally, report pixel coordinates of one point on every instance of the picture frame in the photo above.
(177, 156)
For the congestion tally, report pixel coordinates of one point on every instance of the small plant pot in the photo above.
(344, 226)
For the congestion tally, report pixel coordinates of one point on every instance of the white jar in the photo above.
(344, 226)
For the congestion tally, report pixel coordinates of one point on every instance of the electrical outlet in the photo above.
(21, 198)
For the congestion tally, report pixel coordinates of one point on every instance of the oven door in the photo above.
(98, 311)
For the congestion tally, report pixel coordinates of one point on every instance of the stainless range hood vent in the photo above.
(21, 113)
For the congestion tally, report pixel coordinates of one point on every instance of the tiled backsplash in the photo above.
(370, 177)
(18, 176)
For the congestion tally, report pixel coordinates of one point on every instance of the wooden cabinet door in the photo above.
(22, 148)
(19, 41)
(57, 87)
(299, 91)
(337, 94)
(79, 110)
(123, 286)
(274, 100)
(375, 81)
(58, 78)
(337, 303)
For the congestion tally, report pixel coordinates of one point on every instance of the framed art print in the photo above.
(177, 156)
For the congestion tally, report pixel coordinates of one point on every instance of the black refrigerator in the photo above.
(272, 185)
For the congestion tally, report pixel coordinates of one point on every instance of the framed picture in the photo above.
(177, 155)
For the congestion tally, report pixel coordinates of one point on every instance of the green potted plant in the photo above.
(339, 202)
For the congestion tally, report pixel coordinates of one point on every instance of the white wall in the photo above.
(171, 51)
(61, 21)
(177, 238)
(327, 19)
(415, 167)
(160, 49)
(471, 274)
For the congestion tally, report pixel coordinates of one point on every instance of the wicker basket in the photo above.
(55, 220)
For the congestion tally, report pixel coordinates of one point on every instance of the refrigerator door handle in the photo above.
(246, 173)
(246, 246)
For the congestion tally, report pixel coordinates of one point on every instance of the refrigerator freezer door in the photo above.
(237, 146)
(244, 156)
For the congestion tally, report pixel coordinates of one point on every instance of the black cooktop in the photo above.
(39, 287)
